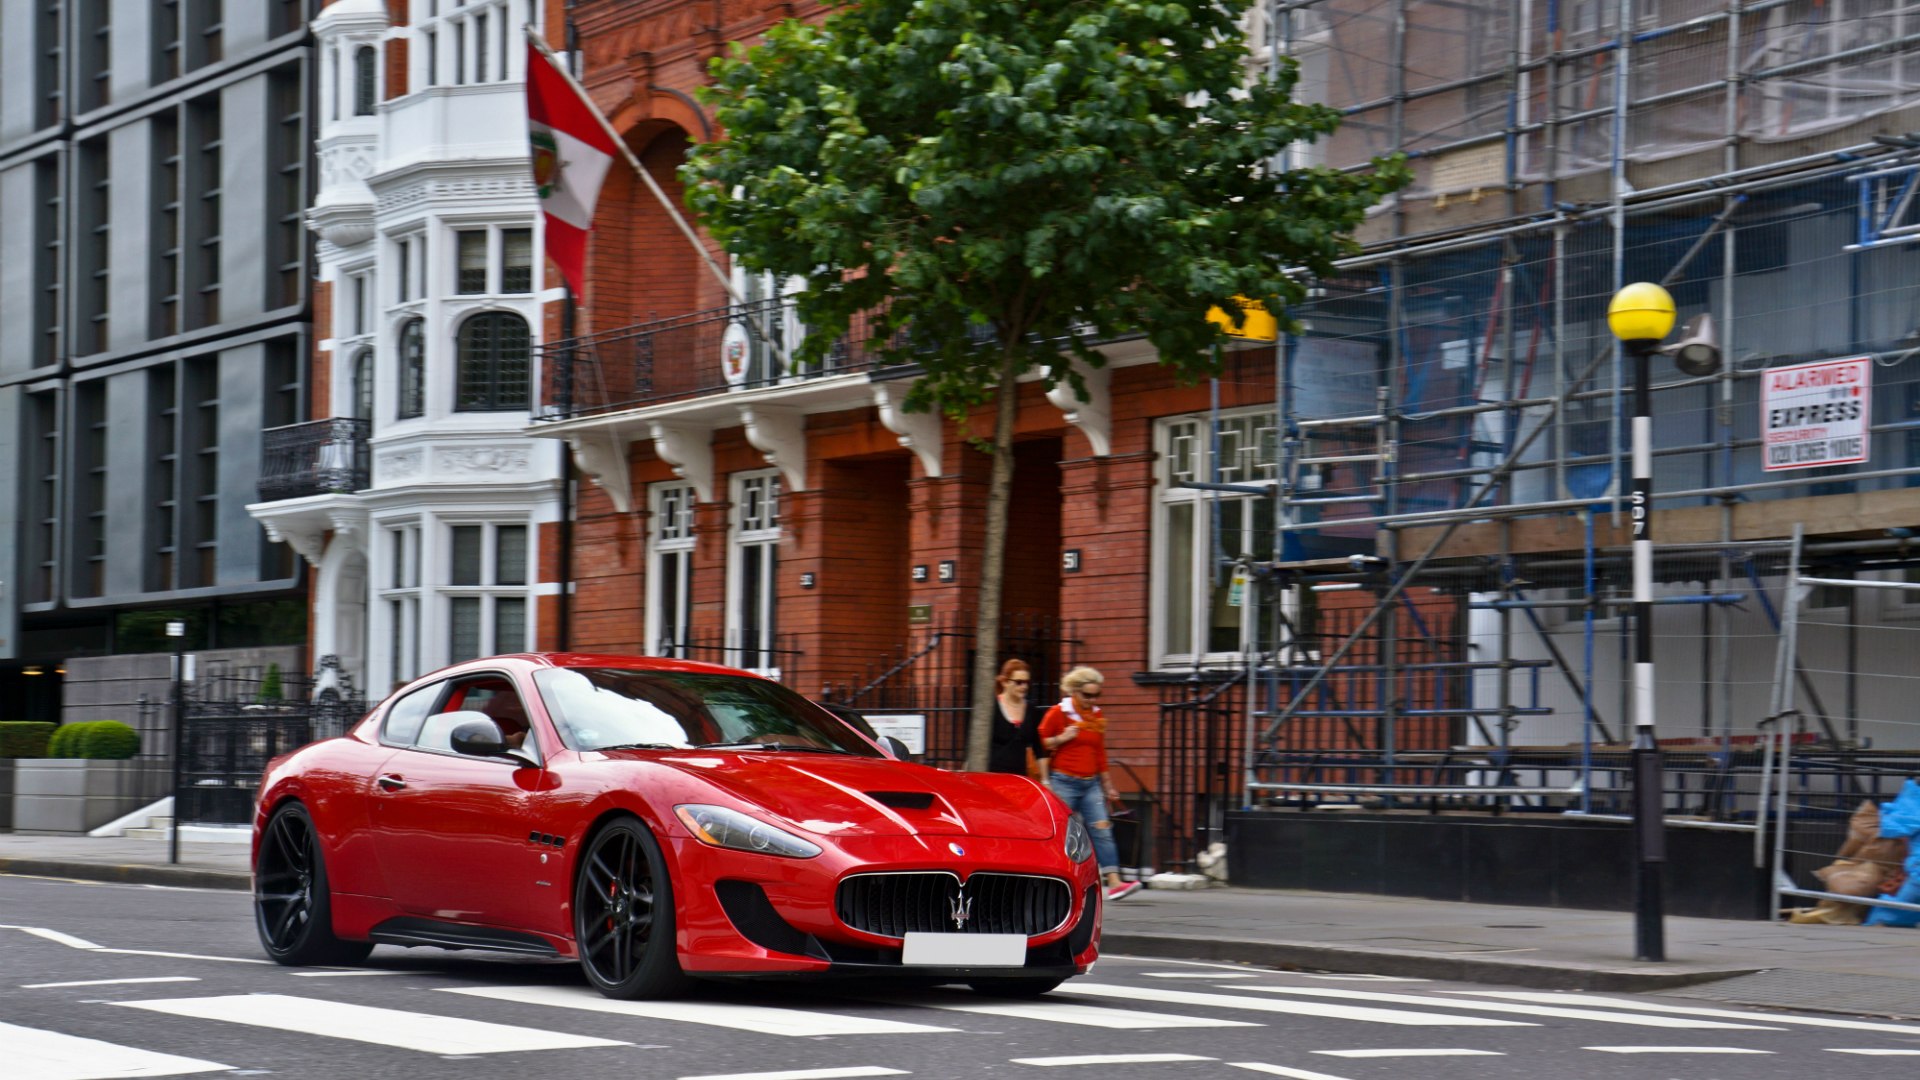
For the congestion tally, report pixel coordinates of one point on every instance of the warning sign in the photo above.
(1816, 414)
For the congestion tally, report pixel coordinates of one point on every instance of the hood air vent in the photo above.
(903, 800)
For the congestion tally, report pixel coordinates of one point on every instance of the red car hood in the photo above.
(847, 796)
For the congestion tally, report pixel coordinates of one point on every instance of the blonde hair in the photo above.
(1080, 677)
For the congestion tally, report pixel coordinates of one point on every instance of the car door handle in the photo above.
(391, 782)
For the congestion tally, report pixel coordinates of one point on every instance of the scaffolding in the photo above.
(1446, 617)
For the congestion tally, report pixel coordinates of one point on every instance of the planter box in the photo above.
(73, 795)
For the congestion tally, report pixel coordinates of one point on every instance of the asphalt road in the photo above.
(102, 981)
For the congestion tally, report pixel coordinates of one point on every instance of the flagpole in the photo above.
(686, 228)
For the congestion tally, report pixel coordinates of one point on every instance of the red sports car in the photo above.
(661, 820)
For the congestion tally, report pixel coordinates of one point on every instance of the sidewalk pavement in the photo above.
(1837, 968)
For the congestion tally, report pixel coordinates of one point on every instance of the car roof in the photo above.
(585, 660)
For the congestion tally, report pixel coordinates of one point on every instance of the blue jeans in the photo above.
(1086, 798)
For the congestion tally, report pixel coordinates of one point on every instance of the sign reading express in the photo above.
(1816, 414)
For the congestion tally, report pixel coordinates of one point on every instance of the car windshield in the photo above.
(602, 708)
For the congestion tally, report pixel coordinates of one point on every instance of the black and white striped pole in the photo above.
(1640, 315)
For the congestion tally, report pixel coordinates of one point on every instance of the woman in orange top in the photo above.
(1074, 731)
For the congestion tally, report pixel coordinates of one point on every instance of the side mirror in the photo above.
(480, 738)
(895, 748)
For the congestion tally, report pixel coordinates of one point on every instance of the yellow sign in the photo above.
(1256, 323)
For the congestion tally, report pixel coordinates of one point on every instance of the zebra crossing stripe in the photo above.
(1296, 1008)
(1676, 1050)
(1391, 1052)
(761, 1019)
(33, 1054)
(807, 1073)
(1066, 1012)
(1877, 1052)
(1282, 1070)
(364, 1023)
(1111, 1059)
(1590, 1001)
(1525, 1010)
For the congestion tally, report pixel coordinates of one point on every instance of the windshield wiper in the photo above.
(808, 748)
(641, 746)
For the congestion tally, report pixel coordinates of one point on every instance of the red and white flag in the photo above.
(571, 155)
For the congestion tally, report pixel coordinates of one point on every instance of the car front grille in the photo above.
(893, 905)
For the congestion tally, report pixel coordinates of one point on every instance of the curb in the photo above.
(188, 877)
(1296, 955)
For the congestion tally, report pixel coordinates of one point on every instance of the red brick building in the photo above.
(798, 522)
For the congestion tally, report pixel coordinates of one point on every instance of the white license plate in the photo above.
(964, 950)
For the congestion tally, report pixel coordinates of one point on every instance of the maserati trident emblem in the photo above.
(960, 908)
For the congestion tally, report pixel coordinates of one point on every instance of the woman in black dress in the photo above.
(1016, 723)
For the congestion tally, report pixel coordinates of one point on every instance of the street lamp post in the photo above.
(177, 631)
(1640, 315)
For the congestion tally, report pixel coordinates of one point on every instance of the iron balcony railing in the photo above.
(320, 457)
(709, 352)
(687, 356)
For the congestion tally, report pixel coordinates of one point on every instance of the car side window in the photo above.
(490, 695)
(405, 716)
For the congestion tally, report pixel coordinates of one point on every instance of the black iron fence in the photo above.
(1203, 723)
(237, 721)
(767, 655)
(932, 677)
(320, 457)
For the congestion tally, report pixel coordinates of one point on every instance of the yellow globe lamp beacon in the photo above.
(1256, 322)
(1642, 311)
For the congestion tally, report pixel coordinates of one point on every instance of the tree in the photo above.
(1008, 180)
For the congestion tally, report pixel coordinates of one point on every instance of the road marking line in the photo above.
(82, 943)
(763, 1019)
(109, 982)
(1877, 1053)
(1525, 1010)
(1675, 1050)
(341, 974)
(363, 1023)
(1064, 1012)
(1598, 1002)
(1198, 975)
(1111, 1059)
(56, 936)
(33, 1054)
(805, 1074)
(1296, 1008)
(1389, 1053)
(186, 956)
(1282, 1070)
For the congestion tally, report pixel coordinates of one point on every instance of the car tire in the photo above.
(1015, 988)
(623, 915)
(292, 902)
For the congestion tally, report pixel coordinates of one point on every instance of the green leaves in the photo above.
(1038, 167)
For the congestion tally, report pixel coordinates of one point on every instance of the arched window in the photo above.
(495, 354)
(362, 388)
(413, 368)
(364, 80)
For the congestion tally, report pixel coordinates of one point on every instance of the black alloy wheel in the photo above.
(623, 915)
(292, 908)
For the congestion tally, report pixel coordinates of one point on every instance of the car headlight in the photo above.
(724, 828)
(1079, 840)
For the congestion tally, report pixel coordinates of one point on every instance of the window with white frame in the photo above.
(493, 260)
(486, 589)
(670, 569)
(400, 595)
(1199, 615)
(471, 42)
(751, 621)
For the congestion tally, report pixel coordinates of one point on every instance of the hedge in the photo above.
(25, 738)
(106, 740)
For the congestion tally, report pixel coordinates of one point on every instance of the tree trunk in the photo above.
(993, 563)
